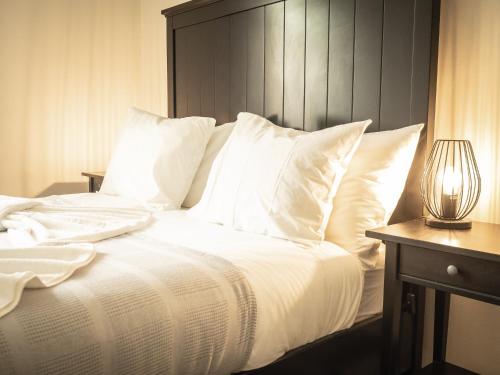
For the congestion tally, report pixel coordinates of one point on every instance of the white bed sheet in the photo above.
(302, 293)
(373, 289)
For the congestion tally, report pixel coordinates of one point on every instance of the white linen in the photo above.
(156, 158)
(372, 298)
(278, 181)
(371, 188)
(37, 267)
(302, 292)
(10, 204)
(55, 220)
(36, 227)
(219, 137)
(143, 307)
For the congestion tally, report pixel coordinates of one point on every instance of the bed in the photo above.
(187, 296)
(111, 315)
(309, 65)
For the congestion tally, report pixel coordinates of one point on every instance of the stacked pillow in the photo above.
(155, 159)
(254, 176)
(242, 189)
(217, 140)
(371, 188)
(278, 181)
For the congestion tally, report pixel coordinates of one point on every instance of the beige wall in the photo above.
(68, 72)
(468, 106)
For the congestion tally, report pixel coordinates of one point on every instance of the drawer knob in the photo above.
(452, 270)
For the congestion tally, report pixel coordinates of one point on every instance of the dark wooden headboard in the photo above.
(308, 64)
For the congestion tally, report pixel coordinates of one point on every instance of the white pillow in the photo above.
(278, 181)
(217, 140)
(156, 158)
(371, 188)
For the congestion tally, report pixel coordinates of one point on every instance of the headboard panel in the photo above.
(306, 64)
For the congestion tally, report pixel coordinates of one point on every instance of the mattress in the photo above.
(302, 292)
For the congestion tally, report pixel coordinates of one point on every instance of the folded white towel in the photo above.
(38, 229)
(38, 267)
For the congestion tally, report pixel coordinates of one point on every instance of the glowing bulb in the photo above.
(452, 181)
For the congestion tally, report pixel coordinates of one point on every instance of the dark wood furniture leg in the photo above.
(95, 180)
(393, 290)
(441, 313)
(418, 327)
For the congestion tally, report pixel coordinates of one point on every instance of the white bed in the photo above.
(302, 293)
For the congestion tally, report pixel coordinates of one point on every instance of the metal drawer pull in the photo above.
(452, 270)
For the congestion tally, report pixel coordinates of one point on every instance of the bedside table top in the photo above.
(481, 241)
(93, 174)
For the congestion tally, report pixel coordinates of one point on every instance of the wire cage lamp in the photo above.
(451, 184)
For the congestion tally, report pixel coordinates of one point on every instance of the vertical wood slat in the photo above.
(194, 70)
(405, 65)
(422, 38)
(397, 64)
(220, 55)
(181, 71)
(433, 67)
(294, 64)
(171, 68)
(205, 73)
(340, 70)
(367, 61)
(316, 73)
(238, 64)
(273, 79)
(255, 57)
(203, 89)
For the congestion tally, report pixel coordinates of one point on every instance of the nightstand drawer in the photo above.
(453, 270)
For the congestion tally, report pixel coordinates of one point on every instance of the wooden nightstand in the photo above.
(463, 262)
(95, 180)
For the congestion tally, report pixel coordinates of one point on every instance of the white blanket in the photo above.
(51, 240)
(136, 308)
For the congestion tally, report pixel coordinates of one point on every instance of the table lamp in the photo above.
(451, 184)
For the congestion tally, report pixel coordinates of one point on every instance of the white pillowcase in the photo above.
(217, 140)
(371, 188)
(278, 181)
(156, 158)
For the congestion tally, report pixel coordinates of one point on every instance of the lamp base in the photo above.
(448, 224)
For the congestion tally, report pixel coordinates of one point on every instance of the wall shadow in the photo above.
(64, 188)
